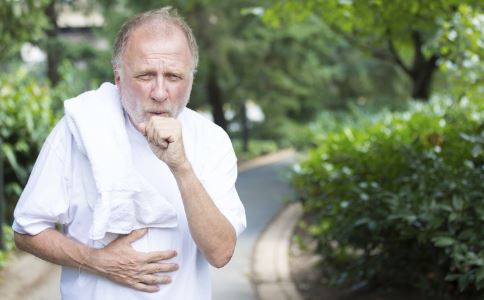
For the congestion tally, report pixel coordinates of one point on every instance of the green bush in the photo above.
(400, 200)
(304, 136)
(26, 118)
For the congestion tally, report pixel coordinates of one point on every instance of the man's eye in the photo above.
(144, 76)
(173, 77)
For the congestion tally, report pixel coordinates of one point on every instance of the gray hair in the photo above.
(165, 15)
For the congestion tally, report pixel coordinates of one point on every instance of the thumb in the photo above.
(135, 235)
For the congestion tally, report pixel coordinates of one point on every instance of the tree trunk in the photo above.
(215, 99)
(52, 46)
(422, 79)
(244, 122)
(421, 70)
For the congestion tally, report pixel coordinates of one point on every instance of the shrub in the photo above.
(400, 200)
(26, 118)
(303, 137)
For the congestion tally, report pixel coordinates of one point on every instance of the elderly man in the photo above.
(145, 196)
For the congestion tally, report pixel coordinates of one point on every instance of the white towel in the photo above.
(126, 200)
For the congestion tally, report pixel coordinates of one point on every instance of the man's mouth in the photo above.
(159, 113)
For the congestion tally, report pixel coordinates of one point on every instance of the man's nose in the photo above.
(159, 90)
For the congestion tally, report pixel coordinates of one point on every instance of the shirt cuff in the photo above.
(237, 221)
(32, 228)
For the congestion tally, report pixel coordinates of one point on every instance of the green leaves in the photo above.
(22, 21)
(417, 37)
(405, 191)
(12, 161)
(443, 241)
(26, 118)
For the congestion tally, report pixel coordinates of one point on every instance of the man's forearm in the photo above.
(53, 246)
(211, 231)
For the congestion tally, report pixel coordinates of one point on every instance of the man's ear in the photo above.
(117, 75)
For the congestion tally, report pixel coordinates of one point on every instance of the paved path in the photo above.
(261, 190)
(262, 187)
(27, 277)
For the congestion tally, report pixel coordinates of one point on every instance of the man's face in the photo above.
(155, 76)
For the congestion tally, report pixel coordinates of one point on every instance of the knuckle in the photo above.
(165, 279)
(131, 282)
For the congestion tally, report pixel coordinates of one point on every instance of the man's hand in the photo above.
(120, 263)
(165, 138)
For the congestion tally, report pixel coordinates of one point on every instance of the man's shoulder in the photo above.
(58, 139)
(59, 133)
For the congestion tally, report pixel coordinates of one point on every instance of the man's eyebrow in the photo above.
(143, 72)
(175, 71)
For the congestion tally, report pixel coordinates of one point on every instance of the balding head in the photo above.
(165, 18)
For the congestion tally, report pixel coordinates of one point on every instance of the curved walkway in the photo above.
(270, 265)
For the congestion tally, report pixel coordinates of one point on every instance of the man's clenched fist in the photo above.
(165, 138)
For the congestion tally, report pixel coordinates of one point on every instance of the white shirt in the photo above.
(55, 193)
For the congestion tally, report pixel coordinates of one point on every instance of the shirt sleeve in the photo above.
(44, 201)
(220, 174)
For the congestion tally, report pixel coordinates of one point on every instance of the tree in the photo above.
(402, 32)
(51, 43)
(22, 21)
(55, 45)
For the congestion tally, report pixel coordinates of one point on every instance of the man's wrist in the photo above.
(89, 262)
(182, 169)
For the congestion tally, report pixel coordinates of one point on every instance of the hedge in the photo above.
(26, 117)
(400, 201)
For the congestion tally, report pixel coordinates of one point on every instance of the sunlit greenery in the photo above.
(414, 36)
(21, 21)
(26, 117)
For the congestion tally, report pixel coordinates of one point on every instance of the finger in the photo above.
(155, 279)
(159, 255)
(135, 235)
(155, 268)
(146, 287)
